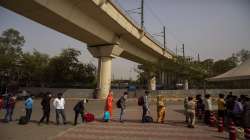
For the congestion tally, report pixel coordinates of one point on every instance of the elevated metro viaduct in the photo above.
(108, 32)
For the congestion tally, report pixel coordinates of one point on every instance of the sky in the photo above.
(213, 28)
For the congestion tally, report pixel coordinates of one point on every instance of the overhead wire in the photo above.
(178, 42)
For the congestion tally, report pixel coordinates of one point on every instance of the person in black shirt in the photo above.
(199, 107)
(79, 109)
(46, 108)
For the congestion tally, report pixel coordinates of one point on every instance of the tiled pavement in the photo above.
(132, 129)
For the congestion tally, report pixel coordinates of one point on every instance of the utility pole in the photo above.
(142, 14)
(183, 50)
(164, 37)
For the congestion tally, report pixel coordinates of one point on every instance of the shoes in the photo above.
(191, 126)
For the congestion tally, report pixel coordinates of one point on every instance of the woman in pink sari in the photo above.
(109, 103)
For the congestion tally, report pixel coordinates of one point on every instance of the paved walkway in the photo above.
(132, 129)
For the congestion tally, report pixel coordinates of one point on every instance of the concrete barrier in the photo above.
(88, 93)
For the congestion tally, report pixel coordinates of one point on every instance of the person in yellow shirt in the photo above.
(161, 108)
(221, 106)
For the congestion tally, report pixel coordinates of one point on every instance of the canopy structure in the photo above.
(241, 72)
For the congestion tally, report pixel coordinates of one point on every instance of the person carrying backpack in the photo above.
(121, 103)
(46, 108)
(80, 109)
(145, 106)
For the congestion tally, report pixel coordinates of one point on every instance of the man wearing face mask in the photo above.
(122, 102)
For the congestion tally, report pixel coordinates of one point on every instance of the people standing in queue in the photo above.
(221, 106)
(191, 112)
(145, 106)
(185, 108)
(109, 103)
(122, 102)
(9, 105)
(28, 107)
(1, 102)
(161, 108)
(80, 109)
(199, 107)
(208, 108)
(59, 104)
(246, 117)
(237, 111)
(46, 107)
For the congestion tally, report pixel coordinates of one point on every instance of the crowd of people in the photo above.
(8, 101)
(229, 109)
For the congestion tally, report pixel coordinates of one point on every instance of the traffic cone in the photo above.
(212, 120)
(220, 125)
(232, 131)
(247, 133)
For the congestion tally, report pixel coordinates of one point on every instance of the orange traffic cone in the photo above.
(232, 131)
(220, 125)
(212, 120)
(247, 133)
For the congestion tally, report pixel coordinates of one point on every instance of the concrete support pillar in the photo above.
(186, 85)
(104, 76)
(152, 82)
(105, 54)
(163, 78)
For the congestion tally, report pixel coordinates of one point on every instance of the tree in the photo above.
(33, 67)
(221, 66)
(11, 42)
(243, 55)
(66, 69)
(207, 65)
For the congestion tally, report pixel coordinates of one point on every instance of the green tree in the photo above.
(66, 69)
(243, 55)
(222, 66)
(33, 67)
(11, 42)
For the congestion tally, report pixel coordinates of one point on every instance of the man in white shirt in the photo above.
(208, 108)
(59, 103)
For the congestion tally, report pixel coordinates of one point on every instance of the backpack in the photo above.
(147, 119)
(118, 103)
(88, 117)
(106, 116)
(23, 120)
(140, 101)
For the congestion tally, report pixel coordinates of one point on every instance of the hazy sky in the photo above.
(212, 28)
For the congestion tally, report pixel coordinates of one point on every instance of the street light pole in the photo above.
(164, 37)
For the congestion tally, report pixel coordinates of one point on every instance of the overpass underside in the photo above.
(108, 32)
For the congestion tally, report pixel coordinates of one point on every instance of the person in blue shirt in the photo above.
(28, 107)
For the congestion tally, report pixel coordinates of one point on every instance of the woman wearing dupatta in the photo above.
(109, 102)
